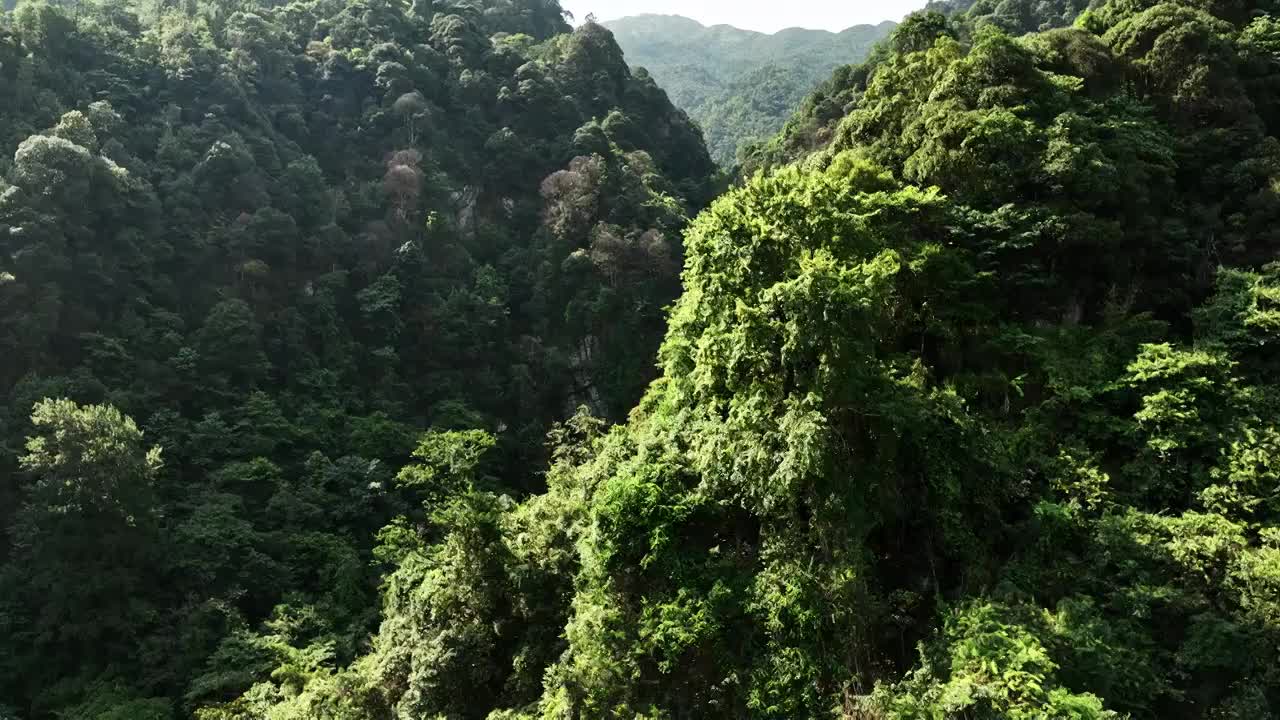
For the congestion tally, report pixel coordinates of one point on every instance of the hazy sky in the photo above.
(762, 15)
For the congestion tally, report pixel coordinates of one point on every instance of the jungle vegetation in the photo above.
(383, 361)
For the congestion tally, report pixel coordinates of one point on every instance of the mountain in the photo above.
(383, 360)
(967, 406)
(248, 253)
(967, 413)
(738, 85)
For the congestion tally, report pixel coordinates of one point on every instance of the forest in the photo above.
(388, 360)
(739, 86)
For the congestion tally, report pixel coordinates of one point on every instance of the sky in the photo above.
(762, 15)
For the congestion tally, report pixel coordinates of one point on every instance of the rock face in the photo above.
(583, 364)
(464, 204)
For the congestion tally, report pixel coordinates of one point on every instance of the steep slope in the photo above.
(969, 415)
(285, 239)
(967, 410)
(738, 85)
(813, 124)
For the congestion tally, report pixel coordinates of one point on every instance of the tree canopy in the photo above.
(966, 408)
(275, 242)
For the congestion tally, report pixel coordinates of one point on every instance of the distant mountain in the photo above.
(739, 85)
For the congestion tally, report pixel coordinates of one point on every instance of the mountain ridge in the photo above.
(626, 19)
(708, 70)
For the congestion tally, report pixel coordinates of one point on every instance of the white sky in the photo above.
(763, 15)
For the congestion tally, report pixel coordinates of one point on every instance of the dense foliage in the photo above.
(813, 124)
(968, 415)
(740, 86)
(967, 410)
(259, 248)
(1013, 16)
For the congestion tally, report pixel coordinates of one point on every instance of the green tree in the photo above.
(86, 544)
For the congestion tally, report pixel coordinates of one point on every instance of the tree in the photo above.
(81, 603)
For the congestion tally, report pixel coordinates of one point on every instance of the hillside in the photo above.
(738, 85)
(275, 243)
(813, 124)
(969, 415)
(339, 388)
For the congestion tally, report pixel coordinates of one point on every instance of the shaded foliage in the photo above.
(284, 238)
